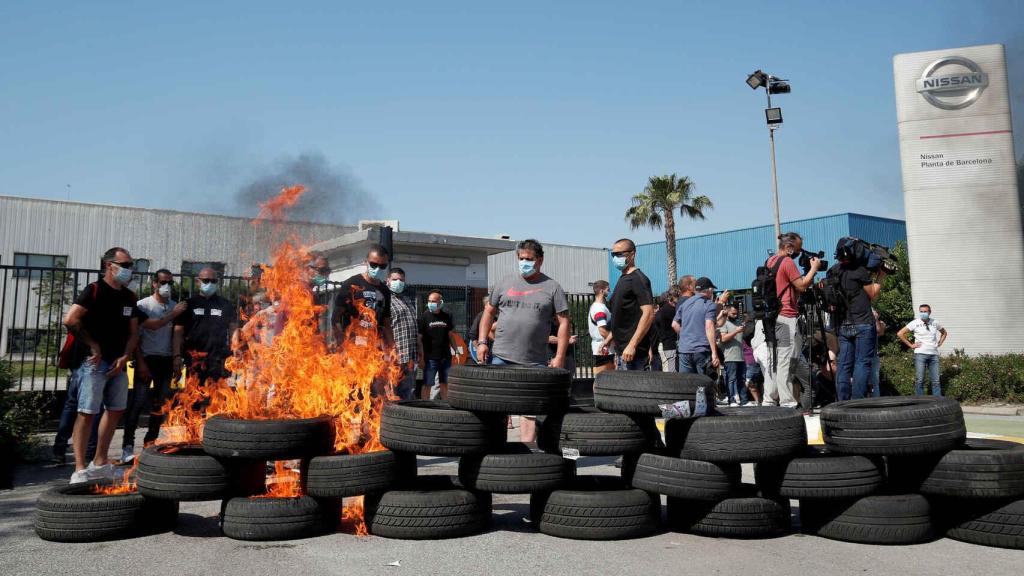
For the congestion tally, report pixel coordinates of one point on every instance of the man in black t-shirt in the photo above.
(104, 321)
(667, 337)
(203, 333)
(435, 334)
(632, 307)
(370, 289)
(858, 335)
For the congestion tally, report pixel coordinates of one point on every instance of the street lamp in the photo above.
(773, 117)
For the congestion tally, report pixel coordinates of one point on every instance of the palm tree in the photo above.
(655, 208)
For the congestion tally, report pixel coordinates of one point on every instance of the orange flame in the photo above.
(283, 483)
(283, 367)
(352, 518)
(127, 484)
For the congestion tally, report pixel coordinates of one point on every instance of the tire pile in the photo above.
(892, 470)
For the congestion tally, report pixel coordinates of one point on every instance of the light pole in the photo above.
(773, 116)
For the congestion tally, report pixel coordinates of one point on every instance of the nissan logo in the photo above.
(952, 91)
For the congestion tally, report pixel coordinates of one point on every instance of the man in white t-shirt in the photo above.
(600, 336)
(928, 337)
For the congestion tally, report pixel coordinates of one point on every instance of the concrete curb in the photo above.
(1004, 410)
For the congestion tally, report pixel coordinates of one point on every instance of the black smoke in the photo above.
(333, 196)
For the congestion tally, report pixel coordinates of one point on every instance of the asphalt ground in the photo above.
(511, 545)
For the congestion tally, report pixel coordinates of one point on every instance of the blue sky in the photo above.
(529, 118)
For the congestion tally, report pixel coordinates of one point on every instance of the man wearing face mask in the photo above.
(153, 359)
(929, 336)
(632, 306)
(369, 288)
(404, 327)
(436, 331)
(104, 321)
(528, 302)
(203, 333)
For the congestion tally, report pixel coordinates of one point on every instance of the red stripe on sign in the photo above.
(965, 134)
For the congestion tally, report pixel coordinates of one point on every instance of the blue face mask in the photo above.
(619, 262)
(207, 288)
(434, 306)
(527, 267)
(923, 315)
(319, 280)
(397, 286)
(375, 272)
(123, 275)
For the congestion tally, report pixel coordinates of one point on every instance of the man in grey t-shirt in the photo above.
(528, 302)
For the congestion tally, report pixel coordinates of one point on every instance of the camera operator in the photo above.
(789, 284)
(857, 331)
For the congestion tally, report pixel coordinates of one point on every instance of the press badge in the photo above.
(199, 311)
(214, 312)
(126, 311)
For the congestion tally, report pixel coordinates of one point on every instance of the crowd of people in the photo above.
(525, 321)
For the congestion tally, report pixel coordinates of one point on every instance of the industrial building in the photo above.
(731, 258)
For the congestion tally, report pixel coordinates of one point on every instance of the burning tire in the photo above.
(268, 439)
(820, 474)
(515, 470)
(893, 426)
(641, 392)
(257, 518)
(433, 428)
(181, 472)
(438, 509)
(896, 519)
(344, 475)
(596, 433)
(690, 479)
(744, 515)
(738, 435)
(509, 389)
(596, 508)
(980, 469)
(72, 513)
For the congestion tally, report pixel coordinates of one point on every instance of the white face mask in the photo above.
(164, 291)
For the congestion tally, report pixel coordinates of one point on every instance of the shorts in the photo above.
(95, 390)
(601, 360)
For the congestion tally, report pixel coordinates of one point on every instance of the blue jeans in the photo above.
(735, 381)
(876, 383)
(858, 348)
(436, 368)
(67, 421)
(694, 362)
(929, 362)
(639, 363)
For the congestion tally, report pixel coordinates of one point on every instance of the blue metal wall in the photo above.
(730, 258)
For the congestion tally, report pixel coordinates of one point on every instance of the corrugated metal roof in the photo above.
(730, 258)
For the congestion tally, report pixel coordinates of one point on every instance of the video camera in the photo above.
(805, 260)
(853, 250)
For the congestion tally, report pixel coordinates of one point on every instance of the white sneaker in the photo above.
(127, 454)
(79, 477)
(751, 403)
(733, 404)
(105, 472)
(790, 405)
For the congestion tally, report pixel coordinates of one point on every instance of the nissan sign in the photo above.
(952, 91)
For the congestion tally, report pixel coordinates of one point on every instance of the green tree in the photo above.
(896, 304)
(655, 208)
(56, 293)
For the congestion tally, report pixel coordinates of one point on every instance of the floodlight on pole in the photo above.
(773, 118)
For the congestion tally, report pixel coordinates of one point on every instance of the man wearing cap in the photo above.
(695, 319)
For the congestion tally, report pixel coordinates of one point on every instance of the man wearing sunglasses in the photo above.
(153, 359)
(632, 306)
(203, 333)
(104, 321)
(370, 289)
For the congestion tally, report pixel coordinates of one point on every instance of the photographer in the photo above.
(858, 334)
(789, 284)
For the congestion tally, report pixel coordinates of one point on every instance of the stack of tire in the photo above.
(901, 471)
(471, 425)
(623, 425)
(699, 467)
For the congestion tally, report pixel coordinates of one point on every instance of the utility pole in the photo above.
(775, 178)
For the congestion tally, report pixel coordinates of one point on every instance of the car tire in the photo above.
(438, 508)
(687, 479)
(260, 518)
(515, 470)
(283, 439)
(821, 474)
(432, 428)
(596, 508)
(596, 433)
(744, 514)
(183, 472)
(641, 392)
(346, 475)
(72, 513)
(750, 434)
(884, 519)
(980, 468)
(893, 426)
(509, 389)
(997, 523)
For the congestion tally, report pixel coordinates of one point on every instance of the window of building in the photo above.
(37, 260)
(141, 266)
(191, 268)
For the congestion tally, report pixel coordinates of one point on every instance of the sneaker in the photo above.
(618, 462)
(751, 403)
(79, 477)
(721, 402)
(789, 404)
(104, 472)
(127, 454)
(733, 404)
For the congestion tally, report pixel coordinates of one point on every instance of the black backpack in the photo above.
(836, 300)
(764, 294)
